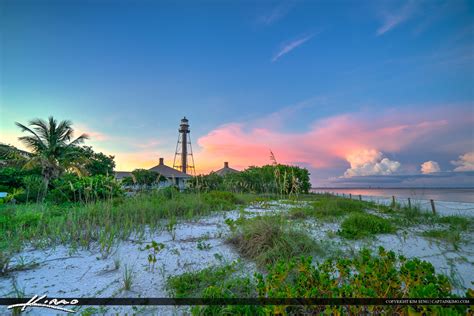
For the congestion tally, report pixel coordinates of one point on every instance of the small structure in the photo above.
(226, 170)
(120, 175)
(173, 176)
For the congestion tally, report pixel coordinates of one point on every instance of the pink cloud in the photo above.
(327, 143)
(93, 134)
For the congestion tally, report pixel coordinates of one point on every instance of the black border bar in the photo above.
(251, 301)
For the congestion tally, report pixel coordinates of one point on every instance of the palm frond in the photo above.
(41, 127)
(35, 144)
(65, 131)
(27, 129)
(79, 140)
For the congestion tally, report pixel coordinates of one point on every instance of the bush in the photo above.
(71, 188)
(35, 188)
(220, 198)
(268, 238)
(11, 177)
(214, 282)
(365, 276)
(359, 225)
(277, 179)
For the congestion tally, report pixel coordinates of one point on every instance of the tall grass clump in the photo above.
(269, 238)
(359, 225)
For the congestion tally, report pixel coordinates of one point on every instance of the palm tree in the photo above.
(52, 148)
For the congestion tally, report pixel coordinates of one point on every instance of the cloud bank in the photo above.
(430, 167)
(353, 142)
(369, 163)
(465, 162)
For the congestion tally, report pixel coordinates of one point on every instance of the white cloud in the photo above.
(276, 13)
(286, 48)
(430, 167)
(370, 162)
(392, 19)
(465, 162)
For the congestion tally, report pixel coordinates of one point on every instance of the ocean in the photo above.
(446, 201)
(448, 195)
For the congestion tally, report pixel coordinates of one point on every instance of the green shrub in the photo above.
(214, 282)
(71, 188)
(365, 276)
(276, 179)
(220, 198)
(35, 188)
(359, 225)
(269, 238)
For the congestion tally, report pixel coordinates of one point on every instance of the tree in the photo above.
(97, 163)
(52, 147)
(146, 177)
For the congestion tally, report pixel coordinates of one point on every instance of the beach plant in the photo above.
(266, 239)
(203, 245)
(366, 275)
(171, 227)
(382, 275)
(106, 241)
(117, 262)
(447, 235)
(17, 292)
(127, 278)
(153, 249)
(5, 258)
(360, 225)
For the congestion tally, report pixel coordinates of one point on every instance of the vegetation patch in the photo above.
(328, 207)
(447, 235)
(455, 222)
(214, 282)
(267, 239)
(102, 221)
(366, 275)
(361, 225)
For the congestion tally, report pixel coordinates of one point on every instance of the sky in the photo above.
(361, 93)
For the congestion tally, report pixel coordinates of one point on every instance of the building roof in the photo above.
(226, 170)
(168, 172)
(119, 175)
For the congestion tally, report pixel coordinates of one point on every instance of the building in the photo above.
(226, 170)
(173, 176)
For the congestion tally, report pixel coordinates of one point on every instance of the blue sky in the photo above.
(249, 75)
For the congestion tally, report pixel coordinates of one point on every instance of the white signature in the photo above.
(41, 301)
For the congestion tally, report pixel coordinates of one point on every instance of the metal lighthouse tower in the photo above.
(184, 150)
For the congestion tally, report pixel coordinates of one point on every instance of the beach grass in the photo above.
(102, 222)
(266, 239)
